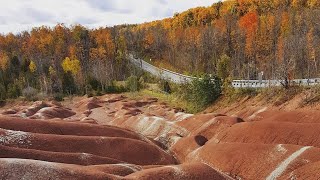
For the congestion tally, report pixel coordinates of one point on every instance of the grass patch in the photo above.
(311, 95)
(172, 100)
(279, 95)
(232, 95)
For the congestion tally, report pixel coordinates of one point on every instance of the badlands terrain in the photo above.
(115, 137)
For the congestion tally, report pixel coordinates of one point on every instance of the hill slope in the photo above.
(116, 137)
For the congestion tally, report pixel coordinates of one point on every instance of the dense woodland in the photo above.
(279, 37)
(61, 60)
(236, 39)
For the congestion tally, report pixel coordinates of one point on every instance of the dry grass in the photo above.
(170, 99)
(271, 96)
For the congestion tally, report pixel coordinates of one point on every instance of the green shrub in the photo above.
(94, 83)
(30, 93)
(224, 67)
(13, 91)
(142, 82)
(3, 92)
(247, 92)
(98, 93)
(115, 87)
(228, 89)
(111, 89)
(90, 94)
(88, 89)
(133, 84)
(58, 97)
(165, 86)
(121, 89)
(201, 92)
(68, 84)
(149, 78)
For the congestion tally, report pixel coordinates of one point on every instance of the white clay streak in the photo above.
(283, 166)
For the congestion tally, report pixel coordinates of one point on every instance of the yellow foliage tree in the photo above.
(148, 40)
(51, 71)
(299, 3)
(71, 65)
(313, 3)
(3, 60)
(285, 25)
(32, 67)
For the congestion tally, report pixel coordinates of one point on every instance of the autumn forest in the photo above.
(234, 39)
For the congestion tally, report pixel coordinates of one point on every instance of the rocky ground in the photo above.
(115, 137)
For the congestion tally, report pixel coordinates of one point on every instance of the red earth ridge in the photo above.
(115, 137)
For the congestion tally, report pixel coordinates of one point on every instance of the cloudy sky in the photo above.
(19, 15)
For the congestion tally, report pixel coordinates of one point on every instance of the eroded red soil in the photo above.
(114, 137)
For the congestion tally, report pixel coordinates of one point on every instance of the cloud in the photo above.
(163, 1)
(103, 5)
(169, 12)
(108, 6)
(3, 20)
(85, 20)
(165, 12)
(36, 15)
(19, 15)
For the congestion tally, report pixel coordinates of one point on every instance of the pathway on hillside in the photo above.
(160, 72)
(180, 78)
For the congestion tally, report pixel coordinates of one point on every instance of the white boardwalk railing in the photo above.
(273, 83)
(181, 78)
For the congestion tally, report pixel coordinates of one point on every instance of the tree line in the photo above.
(279, 37)
(61, 60)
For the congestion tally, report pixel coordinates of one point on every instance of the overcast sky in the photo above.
(19, 15)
